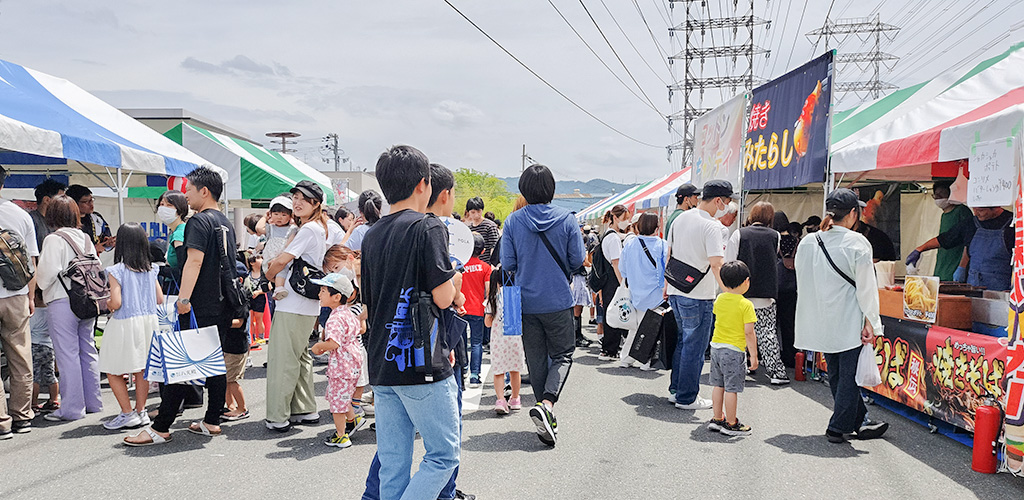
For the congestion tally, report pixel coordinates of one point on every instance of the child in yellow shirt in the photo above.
(734, 331)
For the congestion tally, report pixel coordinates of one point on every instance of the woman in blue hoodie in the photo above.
(642, 265)
(547, 242)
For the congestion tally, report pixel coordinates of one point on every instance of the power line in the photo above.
(661, 50)
(799, 25)
(592, 51)
(827, 14)
(552, 87)
(782, 36)
(609, 43)
(630, 42)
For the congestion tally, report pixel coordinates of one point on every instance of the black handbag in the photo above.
(301, 278)
(645, 343)
(682, 276)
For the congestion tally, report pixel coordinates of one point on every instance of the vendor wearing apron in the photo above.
(988, 237)
(953, 213)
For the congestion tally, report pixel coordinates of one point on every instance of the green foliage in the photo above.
(494, 192)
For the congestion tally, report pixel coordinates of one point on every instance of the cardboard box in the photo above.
(954, 311)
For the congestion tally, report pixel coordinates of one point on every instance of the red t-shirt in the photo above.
(474, 276)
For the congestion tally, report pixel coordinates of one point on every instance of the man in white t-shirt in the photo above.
(15, 310)
(696, 239)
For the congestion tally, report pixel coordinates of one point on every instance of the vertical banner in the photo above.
(340, 191)
(788, 130)
(1014, 403)
(718, 142)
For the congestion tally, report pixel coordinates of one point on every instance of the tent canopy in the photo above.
(253, 171)
(45, 116)
(918, 132)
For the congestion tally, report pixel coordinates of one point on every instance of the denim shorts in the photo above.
(42, 365)
(728, 369)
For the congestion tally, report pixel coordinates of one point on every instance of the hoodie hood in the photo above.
(540, 218)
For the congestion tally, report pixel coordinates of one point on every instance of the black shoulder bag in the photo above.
(302, 275)
(683, 276)
(832, 263)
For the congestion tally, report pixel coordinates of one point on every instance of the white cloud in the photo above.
(456, 114)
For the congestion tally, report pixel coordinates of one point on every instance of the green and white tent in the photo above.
(254, 172)
(916, 132)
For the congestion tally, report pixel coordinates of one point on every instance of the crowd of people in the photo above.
(403, 327)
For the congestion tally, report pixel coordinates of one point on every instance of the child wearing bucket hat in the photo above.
(345, 363)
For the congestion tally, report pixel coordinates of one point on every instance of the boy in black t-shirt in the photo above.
(405, 254)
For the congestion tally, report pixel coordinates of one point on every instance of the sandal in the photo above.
(201, 428)
(228, 417)
(154, 438)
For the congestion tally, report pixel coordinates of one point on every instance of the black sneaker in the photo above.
(21, 426)
(543, 419)
(716, 425)
(835, 437)
(736, 429)
(6, 435)
(870, 430)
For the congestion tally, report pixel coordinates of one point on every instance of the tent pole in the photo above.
(120, 198)
(87, 169)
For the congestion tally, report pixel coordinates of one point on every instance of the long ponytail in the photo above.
(370, 204)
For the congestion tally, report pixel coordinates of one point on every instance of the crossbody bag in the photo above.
(832, 262)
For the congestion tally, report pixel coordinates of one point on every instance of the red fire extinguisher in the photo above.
(988, 420)
(801, 359)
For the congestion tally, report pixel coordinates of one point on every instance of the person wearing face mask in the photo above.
(953, 213)
(697, 248)
(618, 220)
(172, 210)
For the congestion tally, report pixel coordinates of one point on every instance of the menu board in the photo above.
(993, 167)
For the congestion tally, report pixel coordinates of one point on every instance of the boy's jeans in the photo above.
(432, 409)
(476, 343)
(694, 319)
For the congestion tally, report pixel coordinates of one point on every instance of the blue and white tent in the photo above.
(44, 118)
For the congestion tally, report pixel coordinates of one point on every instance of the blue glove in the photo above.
(913, 258)
(960, 274)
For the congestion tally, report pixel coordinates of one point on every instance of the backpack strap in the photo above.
(74, 246)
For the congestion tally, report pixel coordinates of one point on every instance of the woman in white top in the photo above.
(289, 365)
(611, 246)
(73, 344)
(837, 309)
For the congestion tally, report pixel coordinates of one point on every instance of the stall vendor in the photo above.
(953, 213)
(882, 248)
(988, 239)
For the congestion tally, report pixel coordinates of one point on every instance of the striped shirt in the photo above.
(489, 230)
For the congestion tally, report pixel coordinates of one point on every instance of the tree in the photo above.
(494, 192)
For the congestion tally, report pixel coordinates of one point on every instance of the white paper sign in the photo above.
(993, 173)
(460, 241)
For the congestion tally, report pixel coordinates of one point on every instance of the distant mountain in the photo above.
(593, 187)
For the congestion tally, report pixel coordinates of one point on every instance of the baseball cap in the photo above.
(813, 220)
(284, 201)
(636, 218)
(686, 190)
(586, 227)
(310, 189)
(337, 281)
(843, 199)
(717, 188)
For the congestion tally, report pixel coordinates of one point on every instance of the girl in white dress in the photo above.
(134, 295)
(507, 355)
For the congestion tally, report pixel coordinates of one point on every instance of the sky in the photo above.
(379, 73)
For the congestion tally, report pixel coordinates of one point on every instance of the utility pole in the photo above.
(524, 160)
(332, 147)
(865, 28)
(283, 141)
(699, 31)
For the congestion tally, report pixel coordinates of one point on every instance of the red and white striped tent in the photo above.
(915, 133)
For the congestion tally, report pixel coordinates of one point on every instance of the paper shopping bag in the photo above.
(192, 354)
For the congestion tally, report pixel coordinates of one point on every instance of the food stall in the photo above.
(946, 346)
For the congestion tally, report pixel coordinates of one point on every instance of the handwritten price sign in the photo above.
(993, 167)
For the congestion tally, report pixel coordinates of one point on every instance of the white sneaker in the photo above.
(367, 410)
(123, 420)
(144, 418)
(779, 381)
(697, 404)
(625, 364)
(604, 357)
(646, 367)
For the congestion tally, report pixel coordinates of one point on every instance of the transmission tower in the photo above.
(866, 29)
(705, 39)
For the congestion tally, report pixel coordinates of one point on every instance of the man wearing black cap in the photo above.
(697, 245)
(837, 309)
(687, 197)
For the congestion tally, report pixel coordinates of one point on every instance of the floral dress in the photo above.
(345, 362)
(506, 350)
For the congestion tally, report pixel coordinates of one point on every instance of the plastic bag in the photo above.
(620, 313)
(867, 369)
(512, 307)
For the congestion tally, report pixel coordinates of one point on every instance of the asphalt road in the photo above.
(618, 438)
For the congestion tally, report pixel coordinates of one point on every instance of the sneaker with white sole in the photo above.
(625, 364)
(543, 419)
(697, 404)
(501, 407)
(144, 418)
(715, 425)
(646, 367)
(735, 429)
(123, 420)
(872, 430)
(368, 410)
(604, 356)
(779, 381)
(305, 419)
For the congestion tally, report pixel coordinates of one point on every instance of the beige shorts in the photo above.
(235, 364)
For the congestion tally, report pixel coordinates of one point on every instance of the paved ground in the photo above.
(618, 438)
